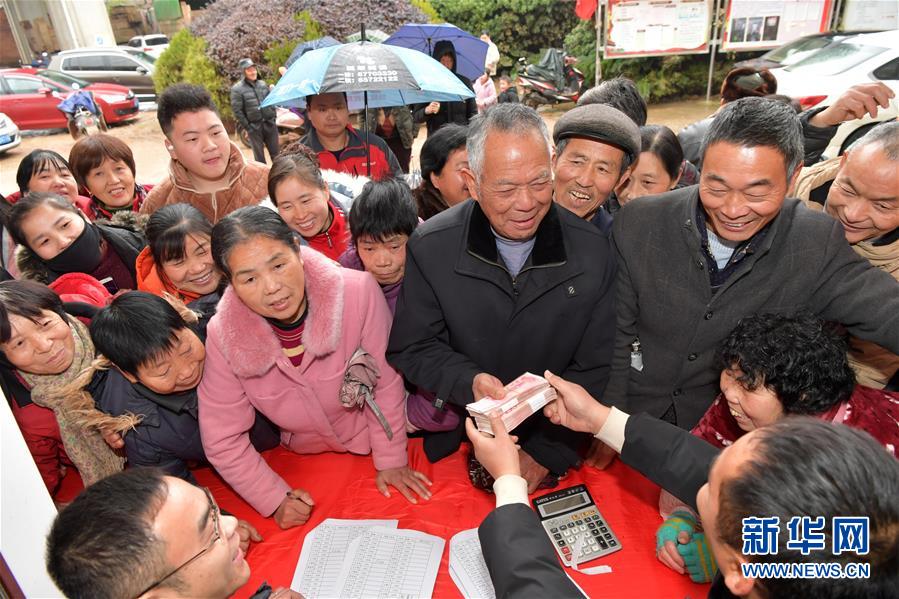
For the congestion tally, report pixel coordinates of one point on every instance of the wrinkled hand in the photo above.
(575, 408)
(855, 103)
(600, 455)
(113, 439)
(676, 530)
(295, 509)
(531, 471)
(405, 480)
(683, 548)
(485, 385)
(498, 454)
(247, 532)
(285, 593)
(432, 108)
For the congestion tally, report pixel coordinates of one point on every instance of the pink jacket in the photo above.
(246, 368)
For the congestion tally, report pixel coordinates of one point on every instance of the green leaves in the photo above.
(517, 27)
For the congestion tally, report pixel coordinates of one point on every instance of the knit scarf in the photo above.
(884, 257)
(83, 444)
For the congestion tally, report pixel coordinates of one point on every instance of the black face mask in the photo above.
(83, 255)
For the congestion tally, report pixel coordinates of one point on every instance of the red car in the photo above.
(29, 97)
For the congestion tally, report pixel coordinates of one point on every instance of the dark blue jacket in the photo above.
(165, 438)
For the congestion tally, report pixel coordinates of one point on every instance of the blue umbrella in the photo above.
(471, 52)
(322, 42)
(372, 75)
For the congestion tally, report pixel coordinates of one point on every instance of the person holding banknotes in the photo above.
(502, 284)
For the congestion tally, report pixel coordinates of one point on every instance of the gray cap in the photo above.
(246, 63)
(600, 122)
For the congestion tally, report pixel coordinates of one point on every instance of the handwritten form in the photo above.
(367, 558)
(467, 567)
(318, 572)
(390, 563)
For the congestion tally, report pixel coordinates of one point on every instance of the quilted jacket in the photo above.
(247, 186)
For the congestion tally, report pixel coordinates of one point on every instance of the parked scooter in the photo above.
(553, 80)
(83, 121)
(291, 127)
(83, 114)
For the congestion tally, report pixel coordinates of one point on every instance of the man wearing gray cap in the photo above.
(596, 146)
(246, 103)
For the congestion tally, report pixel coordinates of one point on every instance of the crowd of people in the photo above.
(322, 305)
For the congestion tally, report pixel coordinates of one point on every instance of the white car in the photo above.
(824, 76)
(9, 134)
(153, 44)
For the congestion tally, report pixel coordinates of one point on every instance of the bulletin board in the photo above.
(764, 24)
(657, 27)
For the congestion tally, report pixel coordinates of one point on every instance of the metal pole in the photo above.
(365, 124)
(714, 44)
(599, 48)
(835, 16)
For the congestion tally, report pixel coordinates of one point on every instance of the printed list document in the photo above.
(386, 563)
(318, 571)
(467, 567)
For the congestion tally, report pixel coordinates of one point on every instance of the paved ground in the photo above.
(146, 140)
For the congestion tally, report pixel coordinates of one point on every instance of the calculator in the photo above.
(577, 529)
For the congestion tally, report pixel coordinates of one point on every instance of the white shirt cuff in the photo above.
(612, 432)
(510, 488)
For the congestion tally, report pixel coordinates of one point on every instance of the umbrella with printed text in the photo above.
(372, 75)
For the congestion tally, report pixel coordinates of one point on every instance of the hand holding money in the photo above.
(522, 397)
(499, 454)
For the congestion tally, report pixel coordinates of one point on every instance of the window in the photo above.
(889, 70)
(835, 59)
(120, 63)
(157, 41)
(93, 62)
(21, 85)
(134, 42)
(60, 77)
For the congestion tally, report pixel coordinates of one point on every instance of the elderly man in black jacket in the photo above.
(693, 262)
(505, 284)
(246, 103)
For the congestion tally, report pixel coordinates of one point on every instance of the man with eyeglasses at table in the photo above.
(142, 534)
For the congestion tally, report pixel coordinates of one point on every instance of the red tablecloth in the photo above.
(343, 487)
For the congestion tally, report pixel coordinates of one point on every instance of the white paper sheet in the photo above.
(386, 563)
(467, 567)
(323, 553)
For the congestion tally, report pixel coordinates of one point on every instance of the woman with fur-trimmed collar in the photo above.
(302, 340)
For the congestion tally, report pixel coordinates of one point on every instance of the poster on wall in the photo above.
(870, 15)
(763, 24)
(657, 27)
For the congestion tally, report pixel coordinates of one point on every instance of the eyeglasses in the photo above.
(216, 535)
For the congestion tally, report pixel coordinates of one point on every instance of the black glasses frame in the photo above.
(216, 535)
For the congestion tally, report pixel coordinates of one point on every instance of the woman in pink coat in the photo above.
(285, 331)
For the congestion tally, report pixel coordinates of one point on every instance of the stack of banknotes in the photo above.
(524, 396)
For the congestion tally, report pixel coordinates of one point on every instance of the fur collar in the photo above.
(247, 339)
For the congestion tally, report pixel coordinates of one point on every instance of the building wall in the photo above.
(26, 511)
(81, 23)
(38, 25)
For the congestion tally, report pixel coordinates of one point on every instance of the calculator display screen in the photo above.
(564, 504)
